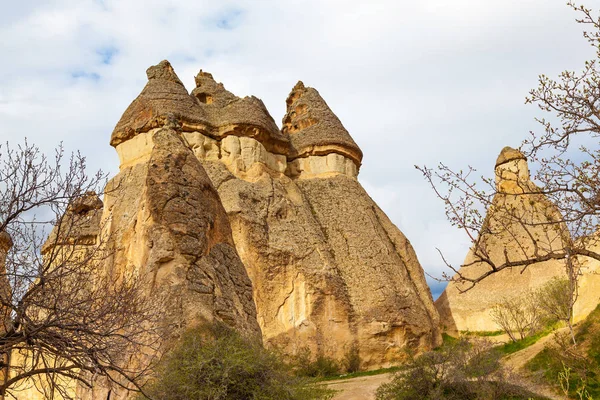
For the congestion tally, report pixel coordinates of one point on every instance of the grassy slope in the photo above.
(582, 361)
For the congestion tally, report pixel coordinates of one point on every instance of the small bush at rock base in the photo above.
(457, 371)
(214, 362)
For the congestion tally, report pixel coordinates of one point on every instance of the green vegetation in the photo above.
(458, 371)
(575, 369)
(362, 373)
(351, 360)
(447, 340)
(321, 367)
(216, 363)
(513, 347)
(482, 333)
(324, 367)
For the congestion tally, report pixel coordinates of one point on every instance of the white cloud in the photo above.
(413, 82)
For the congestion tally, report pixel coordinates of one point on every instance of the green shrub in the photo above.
(352, 360)
(321, 367)
(458, 371)
(216, 363)
(513, 347)
(570, 367)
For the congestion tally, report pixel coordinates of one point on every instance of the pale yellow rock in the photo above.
(329, 270)
(204, 147)
(136, 150)
(321, 166)
(520, 224)
(588, 282)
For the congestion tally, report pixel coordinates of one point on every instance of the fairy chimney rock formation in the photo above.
(319, 142)
(211, 193)
(168, 223)
(521, 224)
(309, 293)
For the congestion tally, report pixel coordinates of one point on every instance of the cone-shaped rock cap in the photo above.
(314, 129)
(163, 95)
(231, 114)
(509, 154)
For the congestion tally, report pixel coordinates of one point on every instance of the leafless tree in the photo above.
(517, 316)
(566, 156)
(65, 318)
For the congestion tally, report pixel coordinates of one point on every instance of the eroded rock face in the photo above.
(79, 226)
(520, 224)
(393, 308)
(169, 223)
(166, 223)
(210, 192)
(293, 218)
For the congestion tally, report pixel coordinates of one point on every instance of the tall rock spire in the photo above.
(521, 224)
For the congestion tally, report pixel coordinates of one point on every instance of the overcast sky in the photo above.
(414, 82)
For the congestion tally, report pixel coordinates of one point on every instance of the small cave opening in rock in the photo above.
(204, 98)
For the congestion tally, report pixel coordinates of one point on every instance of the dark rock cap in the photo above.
(210, 109)
(509, 154)
(231, 114)
(314, 129)
(163, 95)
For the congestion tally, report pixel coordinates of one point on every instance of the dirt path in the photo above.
(520, 358)
(362, 388)
(517, 361)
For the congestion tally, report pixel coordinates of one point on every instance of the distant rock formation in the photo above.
(521, 223)
(329, 270)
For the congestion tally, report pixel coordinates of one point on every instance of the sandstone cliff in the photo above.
(329, 270)
(521, 224)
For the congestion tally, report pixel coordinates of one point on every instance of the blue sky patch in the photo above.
(230, 19)
(85, 75)
(107, 54)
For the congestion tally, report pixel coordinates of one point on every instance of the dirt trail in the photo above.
(520, 358)
(361, 388)
(517, 361)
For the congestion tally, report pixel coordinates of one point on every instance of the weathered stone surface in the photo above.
(314, 129)
(588, 282)
(169, 223)
(232, 115)
(163, 96)
(521, 223)
(79, 226)
(392, 304)
(301, 299)
(308, 292)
